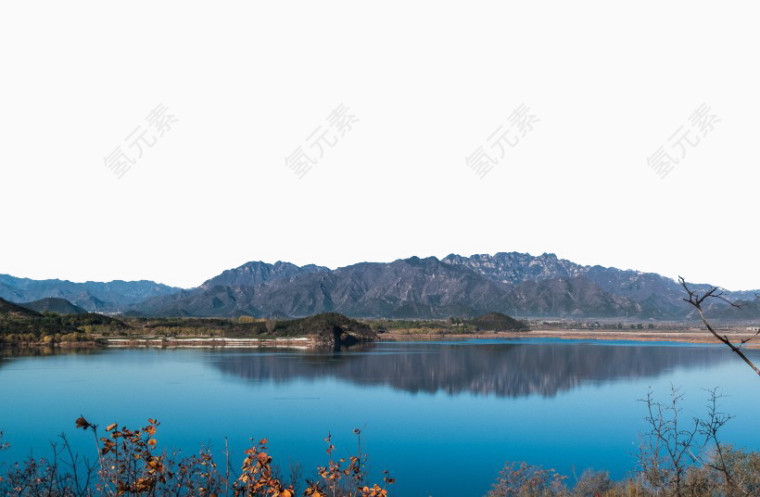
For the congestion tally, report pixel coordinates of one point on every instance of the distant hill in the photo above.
(9, 310)
(58, 306)
(496, 321)
(114, 296)
(15, 319)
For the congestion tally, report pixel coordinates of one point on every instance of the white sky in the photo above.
(429, 82)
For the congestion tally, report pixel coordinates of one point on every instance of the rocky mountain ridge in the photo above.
(512, 283)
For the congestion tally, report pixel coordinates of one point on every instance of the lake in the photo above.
(442, 417)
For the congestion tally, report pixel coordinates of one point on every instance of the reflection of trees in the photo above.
(501, 369)
(48, 351)
(8, 352)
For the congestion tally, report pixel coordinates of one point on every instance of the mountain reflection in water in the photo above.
(506, 369)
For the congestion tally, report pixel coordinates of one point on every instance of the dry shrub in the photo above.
(128, 464)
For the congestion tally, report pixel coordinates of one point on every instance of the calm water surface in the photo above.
(443, 417)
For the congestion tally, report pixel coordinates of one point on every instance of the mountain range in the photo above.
(514, 283)
(111, 297)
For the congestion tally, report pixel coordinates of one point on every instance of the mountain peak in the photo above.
(254, 273)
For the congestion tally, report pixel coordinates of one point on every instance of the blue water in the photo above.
(442, 417)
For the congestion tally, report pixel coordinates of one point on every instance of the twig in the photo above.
(696, 300)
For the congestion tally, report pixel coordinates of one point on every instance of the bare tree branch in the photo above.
(696, 300)
(750, 338)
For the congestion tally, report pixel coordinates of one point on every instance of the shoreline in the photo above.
(306, 343)
(685, 336)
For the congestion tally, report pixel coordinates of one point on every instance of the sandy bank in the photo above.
(644, 336)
